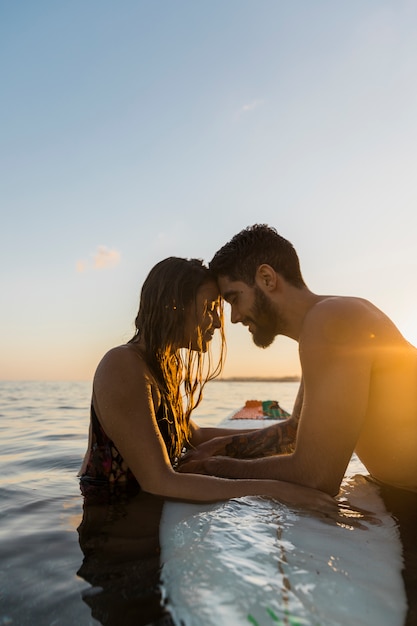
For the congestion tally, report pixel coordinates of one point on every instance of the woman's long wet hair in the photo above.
(167, 299)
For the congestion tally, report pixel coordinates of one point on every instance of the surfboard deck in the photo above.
(255, 561)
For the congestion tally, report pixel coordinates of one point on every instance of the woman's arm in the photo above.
(202, 434)
(125, 399)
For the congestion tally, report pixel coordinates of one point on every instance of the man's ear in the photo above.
(266, 277)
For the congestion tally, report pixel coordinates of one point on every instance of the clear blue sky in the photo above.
(136, 130)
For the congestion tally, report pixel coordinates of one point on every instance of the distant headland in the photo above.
(256, 379)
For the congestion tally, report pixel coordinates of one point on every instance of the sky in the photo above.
(136, 130)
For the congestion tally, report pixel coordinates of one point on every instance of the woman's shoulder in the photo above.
(123, 372)
(126, 357)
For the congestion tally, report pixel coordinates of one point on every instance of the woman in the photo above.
(144, 393)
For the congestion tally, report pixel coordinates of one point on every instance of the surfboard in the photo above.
(255, 561)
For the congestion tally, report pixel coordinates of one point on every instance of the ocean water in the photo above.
(64, 563)
(43, 436)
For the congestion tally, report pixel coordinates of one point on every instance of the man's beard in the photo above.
(266, 320)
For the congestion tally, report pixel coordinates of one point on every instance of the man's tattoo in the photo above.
(277, 439)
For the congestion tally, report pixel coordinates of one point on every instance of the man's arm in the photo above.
(249, 444)
(335, 352)
(276, 439)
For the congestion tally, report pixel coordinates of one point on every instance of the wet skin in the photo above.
(359, 389)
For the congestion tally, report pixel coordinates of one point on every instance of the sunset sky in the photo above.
(136, 130)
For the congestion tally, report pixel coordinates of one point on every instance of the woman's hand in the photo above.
(188, 464)
(306, 498)
(195, 456)
(291, 494)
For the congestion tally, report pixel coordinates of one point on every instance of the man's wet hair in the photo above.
(245, 252)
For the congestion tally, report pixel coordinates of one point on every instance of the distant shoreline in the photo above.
(226, 379)
(258, 379)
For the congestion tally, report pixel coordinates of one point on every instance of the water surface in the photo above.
(63, 563)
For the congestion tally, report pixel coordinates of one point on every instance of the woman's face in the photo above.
(203, 317)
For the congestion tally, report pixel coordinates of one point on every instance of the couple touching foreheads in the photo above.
(358, 391)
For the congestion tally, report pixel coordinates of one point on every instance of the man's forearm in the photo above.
(276, 439)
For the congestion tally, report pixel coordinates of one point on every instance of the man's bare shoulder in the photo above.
(344, 305)
(342, 319)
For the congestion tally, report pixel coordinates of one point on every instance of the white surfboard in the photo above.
(255, 561)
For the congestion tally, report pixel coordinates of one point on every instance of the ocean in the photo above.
(62, 563)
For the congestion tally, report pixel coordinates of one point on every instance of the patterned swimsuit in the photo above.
(105, 465)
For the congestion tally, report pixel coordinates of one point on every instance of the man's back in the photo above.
(387, 438)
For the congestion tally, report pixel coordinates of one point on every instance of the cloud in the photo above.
(251, 106)
(106, 258)
(81, 266)
(103, 258)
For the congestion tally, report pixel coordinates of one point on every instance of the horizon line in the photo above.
(222, 379)
(269, 379)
